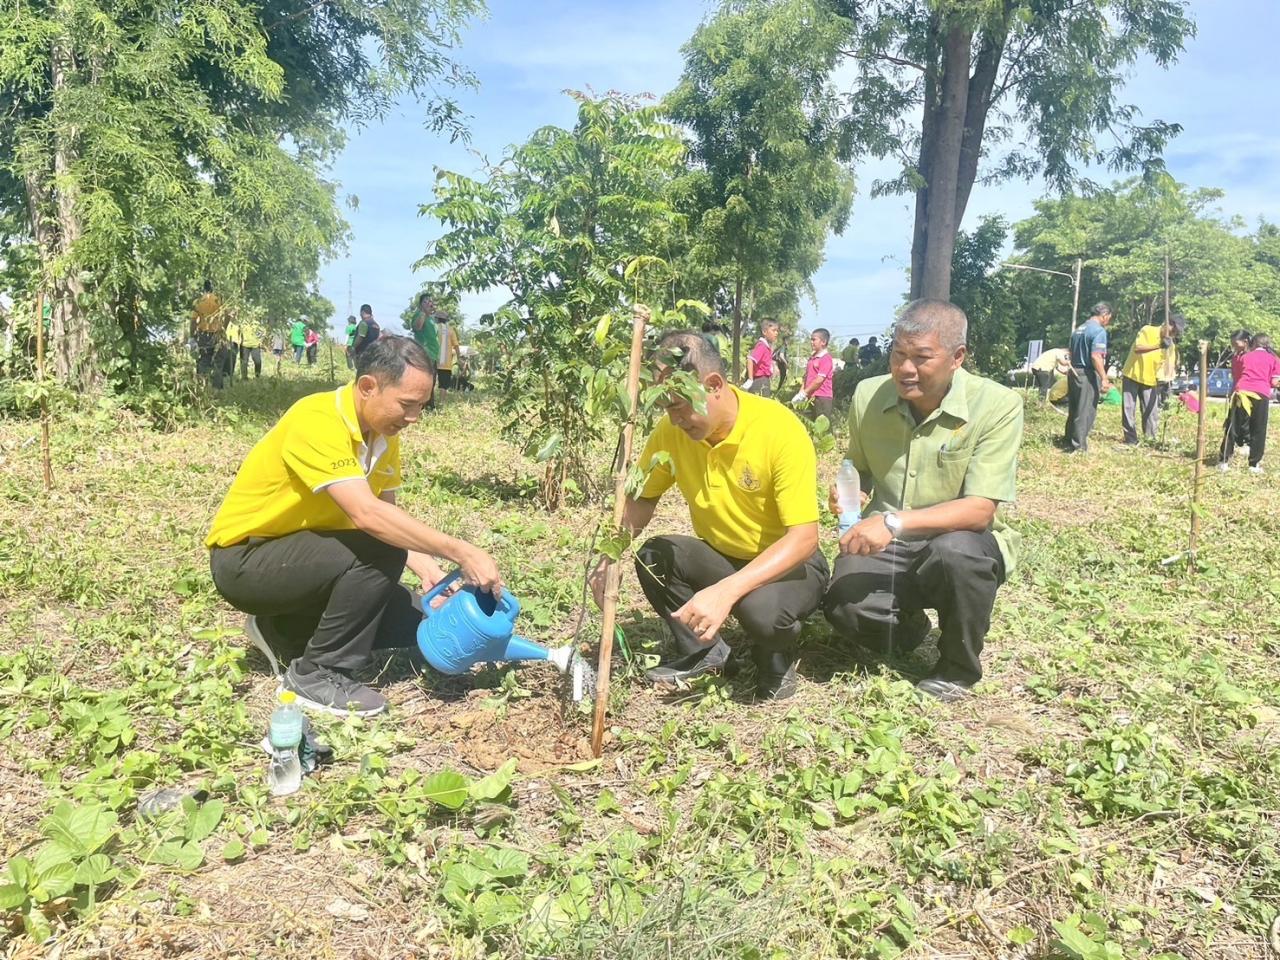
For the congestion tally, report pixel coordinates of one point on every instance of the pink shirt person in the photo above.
(761, 358)
(819, 368)
(1258, 370)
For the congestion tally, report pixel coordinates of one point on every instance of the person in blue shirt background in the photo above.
(1088, 381)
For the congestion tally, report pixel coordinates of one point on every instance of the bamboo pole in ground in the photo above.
(613, 570)
(44, 399)
(1197, 481)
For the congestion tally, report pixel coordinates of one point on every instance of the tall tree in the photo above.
(1043, 77)
(150, 144)
(766, 185)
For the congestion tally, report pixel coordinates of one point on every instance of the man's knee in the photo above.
(655, 559)
(369, 551)
(961, 550)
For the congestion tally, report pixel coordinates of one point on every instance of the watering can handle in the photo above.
(438, 589)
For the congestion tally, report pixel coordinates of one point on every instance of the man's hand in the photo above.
(478, 568)
(800, 395)
(429, 572)
(640, 312)
(1105, 385)
(706, 612)
(866, 536)
(833, 499)
(596, 579)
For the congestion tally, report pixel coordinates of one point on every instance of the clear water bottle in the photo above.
(848, 495)
(285, 734)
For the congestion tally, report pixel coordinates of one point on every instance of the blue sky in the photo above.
(526, 54)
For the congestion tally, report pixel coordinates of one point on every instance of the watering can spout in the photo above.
(522, 648)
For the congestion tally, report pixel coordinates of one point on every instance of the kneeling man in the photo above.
(748, 471)
(310, 543)
(937, 447)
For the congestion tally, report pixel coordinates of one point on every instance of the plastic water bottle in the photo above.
(285, 734)
(848, 495)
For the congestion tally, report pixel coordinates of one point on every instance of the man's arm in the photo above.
(707, 610)
(387, 522)
(1100, 366)
(423, 566)
(967, 513)
(636, 514)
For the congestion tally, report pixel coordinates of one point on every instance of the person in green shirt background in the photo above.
(352, 324)
(423, 326)
(937, 449)
(298, 339)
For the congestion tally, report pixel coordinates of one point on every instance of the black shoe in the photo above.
(775, 674)
(332, 692)
(948, 691)
(710, 660)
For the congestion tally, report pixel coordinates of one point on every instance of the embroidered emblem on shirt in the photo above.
(749, 481)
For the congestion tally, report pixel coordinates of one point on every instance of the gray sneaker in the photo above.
(332, 692)
(253, 630)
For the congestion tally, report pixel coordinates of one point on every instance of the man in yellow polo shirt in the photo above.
(748, 471)
(937, 448)
(208, 330)
(310, 543)
(1147, 359)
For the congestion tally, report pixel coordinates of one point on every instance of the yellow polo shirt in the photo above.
(1144, 368)
(280, 487)
(209, 315)
(744, 492)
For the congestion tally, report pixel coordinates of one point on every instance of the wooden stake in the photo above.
(1197, 482)
(44, 400)
(613, 570)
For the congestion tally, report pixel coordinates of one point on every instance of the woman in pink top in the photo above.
(760, 361)
(1257, 374)
(817, 377)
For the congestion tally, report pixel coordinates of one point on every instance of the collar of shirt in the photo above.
(954, 404)
(345, 398)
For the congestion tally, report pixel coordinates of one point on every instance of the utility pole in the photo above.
(1075, 305)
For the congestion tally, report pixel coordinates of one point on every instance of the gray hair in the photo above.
(387, 357)
(688, 350)
(1101, 309)
(920, 318)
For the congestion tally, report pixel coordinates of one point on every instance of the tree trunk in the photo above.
(737, 331)
(944, 168)
(73, 352)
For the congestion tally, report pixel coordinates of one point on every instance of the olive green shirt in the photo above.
(968, 447)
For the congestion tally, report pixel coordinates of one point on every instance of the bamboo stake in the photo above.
(44, 399)
(613, 570)
(1198, 476)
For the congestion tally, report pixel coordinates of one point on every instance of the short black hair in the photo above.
(365, 308)
(824, 333)
(208, 286)
(1261, 341)
(1101, 309)
(688, 350)
(386, 358)
(871, 339)
(1242, 334)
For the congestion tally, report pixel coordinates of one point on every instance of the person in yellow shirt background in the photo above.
(208, 330)
(309, 540)
(1140, 387)
(251, 347)
(748, 471)
(233, 333)
(1048, 368)
(448, 354)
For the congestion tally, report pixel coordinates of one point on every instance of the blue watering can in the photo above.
(472, 627)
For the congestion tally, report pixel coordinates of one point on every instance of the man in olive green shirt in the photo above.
(937, 449)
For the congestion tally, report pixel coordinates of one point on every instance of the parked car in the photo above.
(1219, 384)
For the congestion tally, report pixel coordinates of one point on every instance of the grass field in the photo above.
(1112, 791)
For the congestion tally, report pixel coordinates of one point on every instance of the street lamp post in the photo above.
(1073, 277)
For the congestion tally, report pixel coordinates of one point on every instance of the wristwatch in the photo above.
(893, 523)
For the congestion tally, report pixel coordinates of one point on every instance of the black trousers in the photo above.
(334, 594)
(1083, 396)
(762, 387)
(956, 574)
(1250, 428)
(672, 569)
(820, 407)
(253, 354)
(1045, 382)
